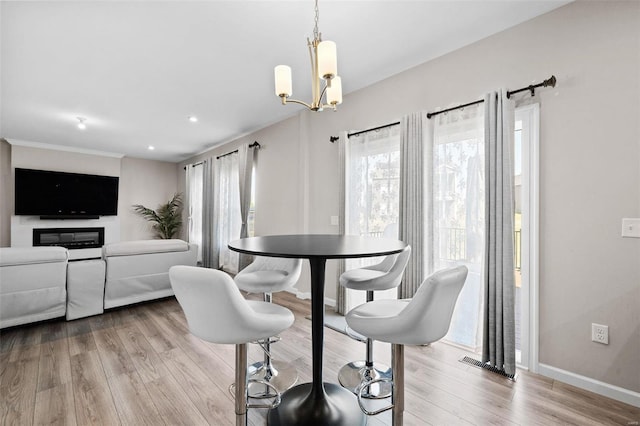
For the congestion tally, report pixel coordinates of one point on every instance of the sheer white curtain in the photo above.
(372, 190)
(229, 218)
(342, 302)
(458, 212)
(194, 177)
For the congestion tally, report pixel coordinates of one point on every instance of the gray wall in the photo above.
(145, 182)
(6, 193)
(589, 167)
(141, 182)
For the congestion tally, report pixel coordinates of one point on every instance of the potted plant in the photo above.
(167, 219)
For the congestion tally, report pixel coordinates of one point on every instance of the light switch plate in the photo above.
(631, 227)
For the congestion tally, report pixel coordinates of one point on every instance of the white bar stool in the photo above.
(268, 275)
(217, 312)
(382, 276)
(418, 321)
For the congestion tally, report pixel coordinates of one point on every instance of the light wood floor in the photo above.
(139, 365)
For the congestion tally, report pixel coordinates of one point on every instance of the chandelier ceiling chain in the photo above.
(316, 34)
(324, 66)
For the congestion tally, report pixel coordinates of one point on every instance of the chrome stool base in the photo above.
(281, 376)
(356, 374)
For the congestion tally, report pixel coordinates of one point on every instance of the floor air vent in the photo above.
(485, 366)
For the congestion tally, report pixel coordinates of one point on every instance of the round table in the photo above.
(318, 402)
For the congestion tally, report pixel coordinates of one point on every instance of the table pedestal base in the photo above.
(300, 406)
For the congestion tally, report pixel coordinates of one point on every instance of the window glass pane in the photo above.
(373, 182)
(458, 164)
(372, 193)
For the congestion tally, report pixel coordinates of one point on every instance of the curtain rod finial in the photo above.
(550, 82)
(332, 139)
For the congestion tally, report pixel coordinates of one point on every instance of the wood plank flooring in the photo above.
(140, 366)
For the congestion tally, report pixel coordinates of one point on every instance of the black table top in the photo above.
(308, 246)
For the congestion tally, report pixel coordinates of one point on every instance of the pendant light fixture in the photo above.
(324, 65)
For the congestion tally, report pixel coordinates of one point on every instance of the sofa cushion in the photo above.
(133, 279)
(128, 248)
(11, 256)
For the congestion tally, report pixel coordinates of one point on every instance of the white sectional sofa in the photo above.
(32, 284)
(39, 283)
(139, 270)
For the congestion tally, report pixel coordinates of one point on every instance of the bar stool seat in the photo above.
(354, 277)
(421, 320)
(216, 312)
(381, 276)
(263, 281)
(268, 275)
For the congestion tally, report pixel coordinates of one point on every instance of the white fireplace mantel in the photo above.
(22, 231)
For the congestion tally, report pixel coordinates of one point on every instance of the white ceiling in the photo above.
(137, 69)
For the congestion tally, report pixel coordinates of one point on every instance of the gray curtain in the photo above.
(246, 159)
(498, 347)
(209, 252)
(188, 177)
(416, 191)
(341, 292)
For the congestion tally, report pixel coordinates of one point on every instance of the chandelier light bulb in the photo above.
(283, 80)
(324, 66)
(327, 60)
(334, 92)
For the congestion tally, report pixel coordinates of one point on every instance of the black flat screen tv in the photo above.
(61, 195)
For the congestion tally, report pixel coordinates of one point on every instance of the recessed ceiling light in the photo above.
(81, 124)
(193, 119)
(151, 147)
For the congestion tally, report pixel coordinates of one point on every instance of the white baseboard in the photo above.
(592, 385)
(307, 296)
(583, 382)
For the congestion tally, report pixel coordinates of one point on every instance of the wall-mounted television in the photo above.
(62, 195)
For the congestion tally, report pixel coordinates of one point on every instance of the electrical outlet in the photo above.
(600, 333)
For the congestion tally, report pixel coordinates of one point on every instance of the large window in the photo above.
(525, 226)
(458, 213)
(458, 164)
(218, 197)
(195, 193)
(372, 193)
(228, 210)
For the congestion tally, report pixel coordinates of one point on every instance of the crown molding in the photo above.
(65, 148)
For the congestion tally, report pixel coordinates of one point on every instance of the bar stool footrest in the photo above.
(352, 376)
(359, 393)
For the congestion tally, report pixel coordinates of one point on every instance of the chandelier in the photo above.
(324, 65)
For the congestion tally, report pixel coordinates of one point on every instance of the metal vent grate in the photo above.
(486, 366)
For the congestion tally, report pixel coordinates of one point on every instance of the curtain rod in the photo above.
(372, 129)
(532, 88)
(255, 144)
(228, 153)
(194, 164)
